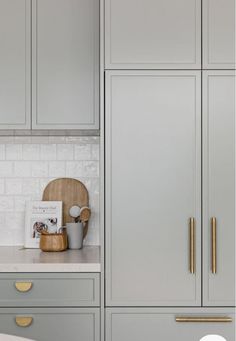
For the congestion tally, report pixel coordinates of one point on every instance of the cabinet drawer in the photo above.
(160, 324)
(52, 324)
(43, 289)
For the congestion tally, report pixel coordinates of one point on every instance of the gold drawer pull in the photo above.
(192, 245)
(24, 321)
(198, 319)
(23, 286)
(213, 247)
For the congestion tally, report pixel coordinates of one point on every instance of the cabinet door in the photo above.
(65, 64)
(153, 133)
(139, 324)
(163, 34)
(219, 187)
(219, 34)
(52, 324)
(15, 64)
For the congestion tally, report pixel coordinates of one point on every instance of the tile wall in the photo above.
(28, 163)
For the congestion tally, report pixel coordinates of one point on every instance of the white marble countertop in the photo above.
(18, 259)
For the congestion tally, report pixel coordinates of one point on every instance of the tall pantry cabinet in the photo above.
(170, 208)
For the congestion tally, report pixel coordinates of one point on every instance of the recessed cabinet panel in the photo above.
(65, 64)
(219, 34)
(163, 34)
(219, 188)
(153, 144)
(127, 324)
(15, 64)
(52, 324)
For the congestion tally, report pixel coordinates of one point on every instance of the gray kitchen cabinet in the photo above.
(65, 64)
(52, 324)
(219, 34)
(153, 188)
(15, 76)
(151, 34)
(219, 188)
(129, 324)
(45, 290)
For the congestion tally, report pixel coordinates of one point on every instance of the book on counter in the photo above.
(41, 216)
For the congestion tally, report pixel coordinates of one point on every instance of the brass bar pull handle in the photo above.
(213, 247)
(192, 245)
(23, 286)
(204, 319)
(24, 321)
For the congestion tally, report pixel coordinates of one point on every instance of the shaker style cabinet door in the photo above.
(151, 34)
(153, 145)
(166, 324)
(15, 74)
(65, 64)
(219, 34)
(219, 188)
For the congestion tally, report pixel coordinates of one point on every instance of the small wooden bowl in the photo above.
(53, 242)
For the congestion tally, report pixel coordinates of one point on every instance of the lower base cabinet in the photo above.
(52, 324)
(128, 324)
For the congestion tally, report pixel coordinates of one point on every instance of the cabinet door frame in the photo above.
(108, 218)
(207, 234)
(206, 62)
(27, 118)
(66, 125)
(110, 64)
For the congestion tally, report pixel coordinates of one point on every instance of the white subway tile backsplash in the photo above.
(2, 186)
(90, 168)
(2, 152)
(39, 169)
(30, 186)
(13, 186)
(13, 152)
(74, 169)
(57, 169)
(83, 152)
(6, 203)
(31, 152)
(6, 169)
(29, 163)
(20, 201)
(22, 169)
(65, 152)
(48, 152)
(95, 152)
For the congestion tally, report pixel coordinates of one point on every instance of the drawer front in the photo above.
(161, 324)
(52, 324)
(42, 290)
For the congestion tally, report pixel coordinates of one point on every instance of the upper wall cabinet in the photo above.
(14, 64)
(65, 64)
(219, 34)
(151, 34)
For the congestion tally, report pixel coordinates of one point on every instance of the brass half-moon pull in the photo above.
(24, 321)
(23, 286)
(199, 319)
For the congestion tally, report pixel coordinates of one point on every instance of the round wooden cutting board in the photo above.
(71, 192)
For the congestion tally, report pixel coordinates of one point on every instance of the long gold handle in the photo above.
(192, 245)
(23, 286)
(199, 319)
(24, 321)
(213, 240)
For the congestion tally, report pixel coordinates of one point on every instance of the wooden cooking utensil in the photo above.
(71, 192)
(85, 214)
